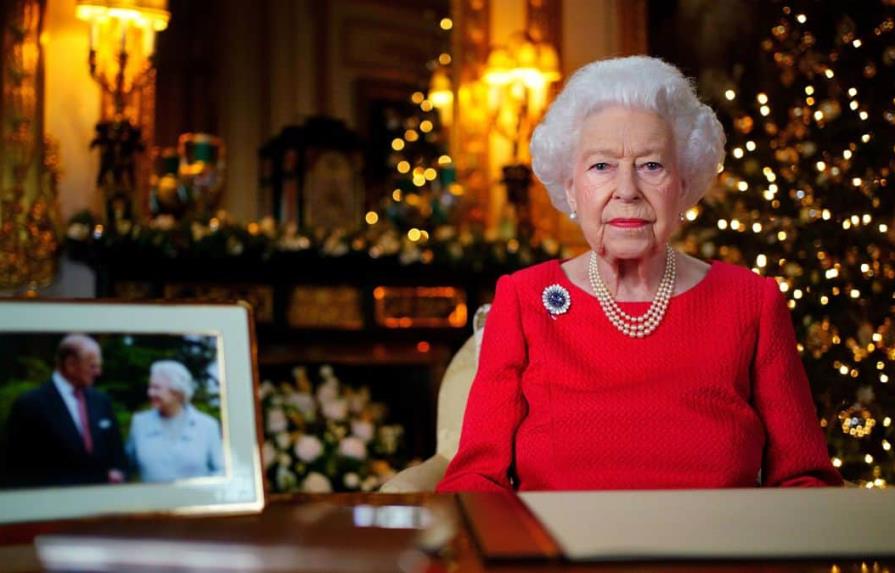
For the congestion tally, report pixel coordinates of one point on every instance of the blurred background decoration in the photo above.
(806, 197)
(519, 76)
(29, 166)
(187, 181)
(120, 59)
(202, 169)
(166, 193)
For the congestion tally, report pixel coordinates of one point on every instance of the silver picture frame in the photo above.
(240, 486)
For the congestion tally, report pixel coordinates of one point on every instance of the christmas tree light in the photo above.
(806, 197)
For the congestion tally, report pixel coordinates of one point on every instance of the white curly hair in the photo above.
(178, 377)
(635, 81)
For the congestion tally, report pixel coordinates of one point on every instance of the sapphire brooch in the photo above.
(556, 300)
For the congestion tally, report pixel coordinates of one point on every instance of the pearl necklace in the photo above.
(634, 326)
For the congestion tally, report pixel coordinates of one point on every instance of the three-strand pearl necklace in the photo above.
(634, 326)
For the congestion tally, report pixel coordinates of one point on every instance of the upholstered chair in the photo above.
(452, 397)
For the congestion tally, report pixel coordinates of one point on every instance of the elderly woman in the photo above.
(173, 440)
(635, 366)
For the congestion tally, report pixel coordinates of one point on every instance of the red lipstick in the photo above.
(628, 223)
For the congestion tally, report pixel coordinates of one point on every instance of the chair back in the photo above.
(455, 387)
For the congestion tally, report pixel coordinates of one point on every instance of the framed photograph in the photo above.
(127, 408)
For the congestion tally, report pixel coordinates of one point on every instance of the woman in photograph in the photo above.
(173, 440)
(634, 365)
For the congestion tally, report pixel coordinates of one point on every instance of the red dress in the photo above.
(715, 397)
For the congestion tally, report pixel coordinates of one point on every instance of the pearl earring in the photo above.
(573, 216)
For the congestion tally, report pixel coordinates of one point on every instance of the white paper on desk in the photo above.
(714, 524)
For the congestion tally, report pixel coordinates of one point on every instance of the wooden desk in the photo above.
(459, 555)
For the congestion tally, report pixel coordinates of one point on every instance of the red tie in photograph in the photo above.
(85, 421)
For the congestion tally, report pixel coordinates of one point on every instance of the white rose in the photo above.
(284, 440)
(308, 448)
(335, 409)
(268, 454)
(316, 483)
(303, 402)
(362, 429)
(353, 447)
(265, 390)
(327, 391)
(351, 480)
(276, 421)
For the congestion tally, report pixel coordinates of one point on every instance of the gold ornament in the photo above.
(744, 124)
(831, 109)
(819, 338)
(787, 155)
(856, 421)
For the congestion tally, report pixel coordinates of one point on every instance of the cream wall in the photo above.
(71, 106)
(245, 104)
(590, 31)
(291, 61)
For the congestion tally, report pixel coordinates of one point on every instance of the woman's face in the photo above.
(161, 396)
(625, 184)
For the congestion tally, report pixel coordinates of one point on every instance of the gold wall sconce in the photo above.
(122, 42)
(519, 76)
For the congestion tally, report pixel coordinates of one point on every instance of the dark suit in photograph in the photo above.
(46, 448)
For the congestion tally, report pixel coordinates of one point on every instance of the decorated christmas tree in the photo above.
(423, 192)
(806, 197)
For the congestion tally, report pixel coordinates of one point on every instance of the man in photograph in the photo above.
(65, 432)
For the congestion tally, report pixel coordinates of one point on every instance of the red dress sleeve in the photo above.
(495, 406)
(795, 452)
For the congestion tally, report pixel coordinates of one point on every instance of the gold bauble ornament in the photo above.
(819, 338)
(856, 421)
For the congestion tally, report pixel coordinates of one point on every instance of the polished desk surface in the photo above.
(458, 555)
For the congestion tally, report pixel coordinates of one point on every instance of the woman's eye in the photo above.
(652, 166)
(600, 166)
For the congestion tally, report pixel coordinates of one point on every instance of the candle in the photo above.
(148, 41)
(94, 35)
(123, 24)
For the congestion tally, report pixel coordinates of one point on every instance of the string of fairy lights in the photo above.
(424, 189)
(806, 198)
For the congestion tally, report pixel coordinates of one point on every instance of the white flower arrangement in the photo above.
(328, 438)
